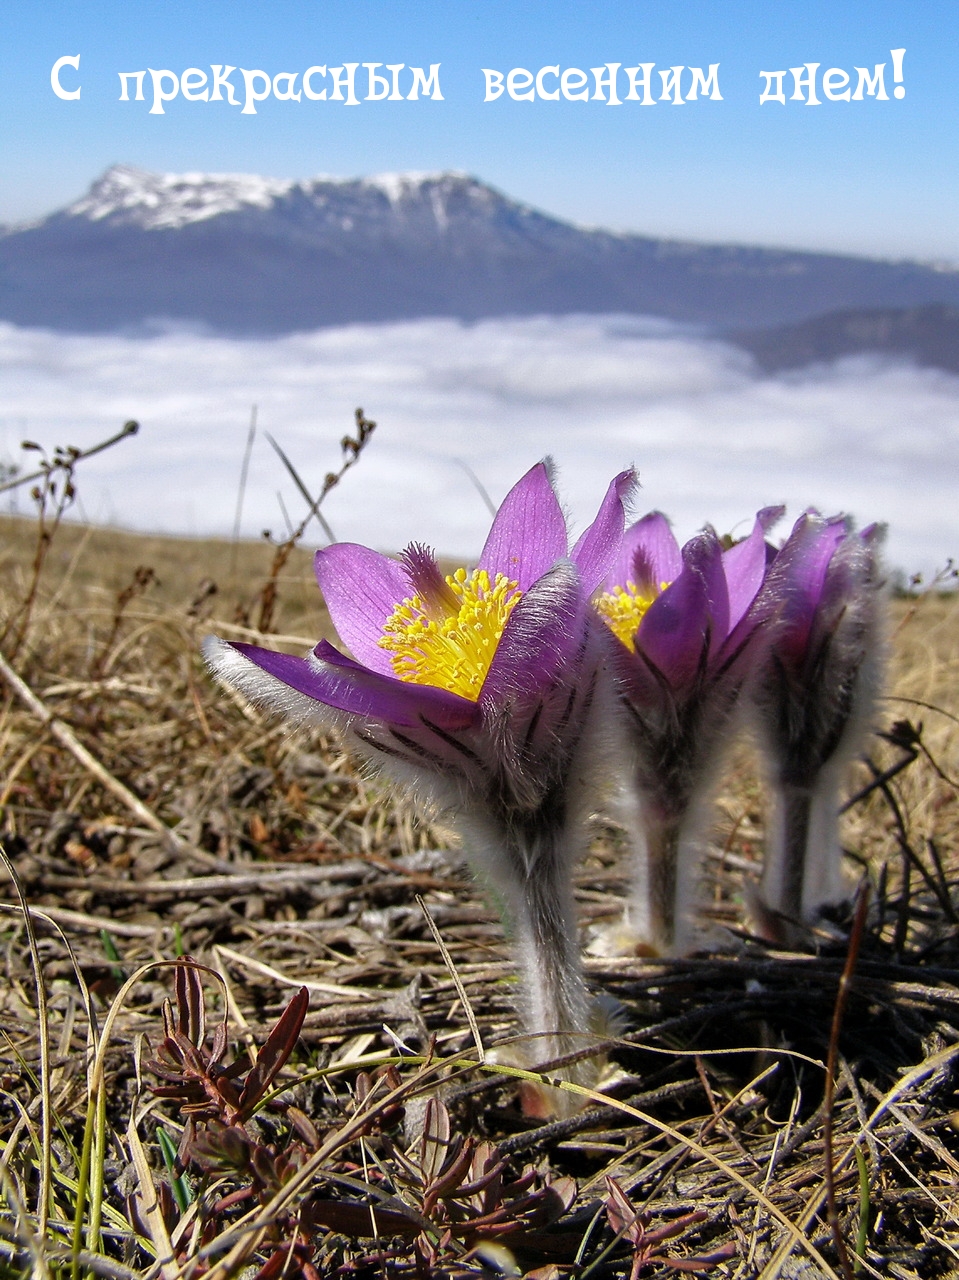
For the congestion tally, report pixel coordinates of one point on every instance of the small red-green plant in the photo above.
(218, 1101)
(647, 1244)
(452, 1196)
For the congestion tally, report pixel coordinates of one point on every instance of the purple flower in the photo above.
(814, 704)
(482, 691)
(688, 628)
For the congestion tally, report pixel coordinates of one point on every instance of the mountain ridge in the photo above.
(250, 255)
(927, 336)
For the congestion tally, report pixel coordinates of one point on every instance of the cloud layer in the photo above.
(712, 439)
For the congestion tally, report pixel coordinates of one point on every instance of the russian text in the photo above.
(612, 84)
(320, 83)
(835, 84)
(69, 95)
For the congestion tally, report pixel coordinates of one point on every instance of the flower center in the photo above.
(623, 609)
(451, 645)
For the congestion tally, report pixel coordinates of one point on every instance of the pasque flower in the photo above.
(814, 703)
(688, 625)
(480, 690)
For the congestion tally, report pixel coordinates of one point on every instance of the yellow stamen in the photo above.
(451, 650)
(623, 609)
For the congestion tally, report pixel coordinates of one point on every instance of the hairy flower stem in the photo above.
(545, 926)
(662, 855)
(529, 866)
(662, 905)
(785, 870)
(803, 870)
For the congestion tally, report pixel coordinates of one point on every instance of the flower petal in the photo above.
(649, 554)
(853, 577)
(237, 670)
(361, 588)
(745, 564)
(426, 580)
(334, 681)
(544, 634)
(391, 700)
(528, 534)
(690, 614)
(798, 573)
(596, 551)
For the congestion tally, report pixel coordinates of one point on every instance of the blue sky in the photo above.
(871, 177)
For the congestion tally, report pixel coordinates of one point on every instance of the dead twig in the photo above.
(128, 429)
(353, 447)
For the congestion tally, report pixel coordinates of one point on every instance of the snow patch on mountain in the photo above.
(169, 201)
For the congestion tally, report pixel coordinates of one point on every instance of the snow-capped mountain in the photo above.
(245, 254)
(125, 196)
(132, 197)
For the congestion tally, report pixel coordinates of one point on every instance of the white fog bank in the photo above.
(712, 438)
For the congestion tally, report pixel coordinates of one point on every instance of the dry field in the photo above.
(147, 815)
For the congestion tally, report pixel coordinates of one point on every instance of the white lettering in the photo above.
(641, 83)
(308, 89)
(387, 91)
(897, 56)
(374, 82)
(68, 95)
(807, 81)
(767, 94)
(601, 84)
(672, 80)
(874, 85)
(607, 81)
(394, 68)
(221, 80)
(339, 83)
(552, 95)
(834, 81)
(494, 84)
(159, 97)
(131, 75)
(252, 97)
(430, 84)
(283, 83)
(703, 82)
(192, 80)
(573, 83)
(517, 80)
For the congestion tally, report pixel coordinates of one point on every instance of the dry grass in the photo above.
(286, 867)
